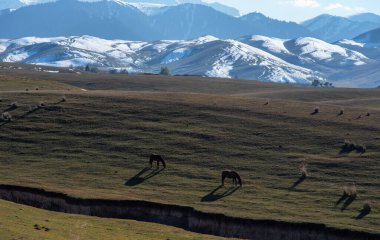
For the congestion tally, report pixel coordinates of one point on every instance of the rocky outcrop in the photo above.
(184, 217)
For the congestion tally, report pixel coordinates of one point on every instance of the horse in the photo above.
(231, 174)
(158, 159)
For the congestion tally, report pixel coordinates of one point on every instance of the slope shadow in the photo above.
(214, 196)
(298, 182)
(364, 212)
(139, 178)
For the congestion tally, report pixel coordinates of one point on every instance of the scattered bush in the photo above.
(32, 108)
(165, 71)
(316, 110)
(63, 99)
(6, 117)
(41, 105)
(14, 105)
(349, 146)
(368, 114)
(92, 69)
(341, 112)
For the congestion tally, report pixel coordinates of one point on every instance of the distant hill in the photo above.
(370, 38)
(117, 19)
(193, 20)
(106, 19)
(263, 25)
(333, 28)
(366, 17)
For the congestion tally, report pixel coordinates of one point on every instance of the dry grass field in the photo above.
(97, 142)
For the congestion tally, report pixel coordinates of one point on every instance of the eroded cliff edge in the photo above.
(178, 216)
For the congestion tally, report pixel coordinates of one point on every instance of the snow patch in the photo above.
(176, 55)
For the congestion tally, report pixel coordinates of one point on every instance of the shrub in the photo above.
(368, 114)
(32, 108)
(6, 117)
(113, 71)
(341, 112)
(14, 105)
(63, 99)
(349, 146)
(41, 105)
(316, 110)
(165, 71)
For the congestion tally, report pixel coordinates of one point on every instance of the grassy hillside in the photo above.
(22, 222)
(96, 143)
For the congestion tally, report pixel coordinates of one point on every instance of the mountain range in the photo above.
(299, 60)
(193, 18)
(252, 46)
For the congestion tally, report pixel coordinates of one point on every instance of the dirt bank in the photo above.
(178, 216)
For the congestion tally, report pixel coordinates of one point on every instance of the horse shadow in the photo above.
(298, 182)
(347, 202)
(343, 198)
(364, 212)
(10, 108)
(142, 176)
(214, 195)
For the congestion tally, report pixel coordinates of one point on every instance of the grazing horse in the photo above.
(231, 174)
(158, 159)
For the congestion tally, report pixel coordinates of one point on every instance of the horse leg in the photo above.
(158, 163)
(163, 163)
(151, 163)
(223, 177)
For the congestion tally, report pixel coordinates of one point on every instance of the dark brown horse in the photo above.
(158, 159)
(231, 174)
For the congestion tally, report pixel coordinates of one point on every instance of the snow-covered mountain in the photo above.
(333, 28)
(367, 43)
(257, 57)
(201, 56)
(309, 52)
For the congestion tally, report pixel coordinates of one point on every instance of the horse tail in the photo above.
(239, 179)
(163, 162)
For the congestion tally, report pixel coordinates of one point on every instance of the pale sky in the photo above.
(299, 10)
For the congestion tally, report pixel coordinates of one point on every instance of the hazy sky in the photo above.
(299, 10)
